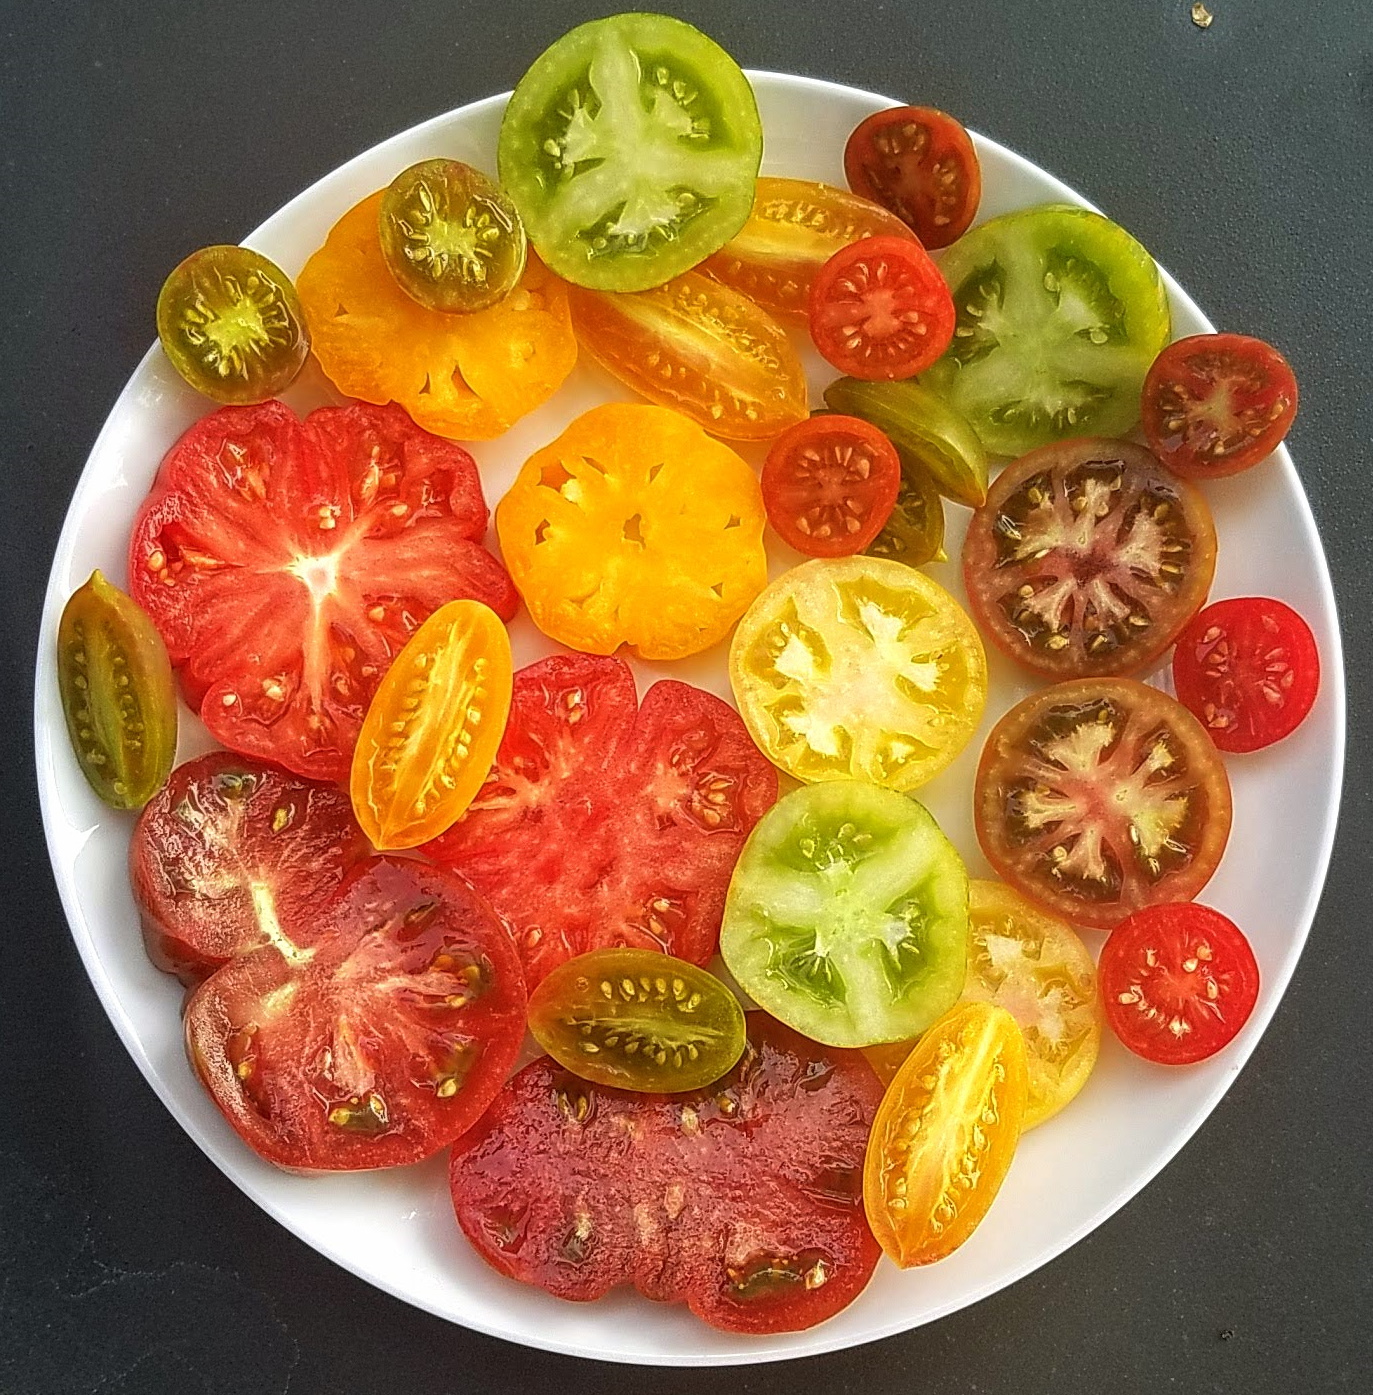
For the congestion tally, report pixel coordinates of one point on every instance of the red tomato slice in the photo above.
(229, 846)
(920, 163)
(880, 309)
(830, 484)
(599, 827)
(1177, 982)
(286, 563)
(369, 1035)
(1215, 404)
(742, 1200)
(1248, 669)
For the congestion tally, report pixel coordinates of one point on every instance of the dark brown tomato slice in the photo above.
(1097, 797)
(371, 1035)
(743, 1199)
(1088, 558)
(228, 852)
(604, 823)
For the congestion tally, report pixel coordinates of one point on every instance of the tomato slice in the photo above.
(371, 1034)
(742, 1200)
(600, 827)
(431, 733)
(1216, 404)
(830, 484)
(1178, 983)
(1097, 797)
(637, 1019)
(286, 563)
(1060, 314)
(880, 309)
(914, 532)
(1248, 669)
(701, 348)
(630, 148)
(848, 915)
(858, 668)
(945, 1134)
(227, 852)
(635, 527)
(795, 228)
(920, 163)
(1088, 558)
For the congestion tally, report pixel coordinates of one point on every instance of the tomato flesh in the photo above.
(604, 823)
(742, 1200)
(1178, 983)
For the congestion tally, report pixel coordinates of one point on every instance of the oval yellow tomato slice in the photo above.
(431, 733)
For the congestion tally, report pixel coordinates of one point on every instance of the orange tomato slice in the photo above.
(431, 733)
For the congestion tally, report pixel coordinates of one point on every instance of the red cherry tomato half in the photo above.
(1177, 982)
(830, 484)
(879, 309)
(1215, 404)
(1248, 670)
(920, 163)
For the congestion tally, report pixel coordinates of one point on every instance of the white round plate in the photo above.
(396, 1229)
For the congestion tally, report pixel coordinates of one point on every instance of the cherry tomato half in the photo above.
(880, 309)
(1248, 669)
(829, 485)
(920, 163)
(1215, 404)
(1178, 982)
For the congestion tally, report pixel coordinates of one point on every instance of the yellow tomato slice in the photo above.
(634, 527)
(945, 1134)
(431, 733)
(859, 668)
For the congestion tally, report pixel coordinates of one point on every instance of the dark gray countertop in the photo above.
(1240, 155)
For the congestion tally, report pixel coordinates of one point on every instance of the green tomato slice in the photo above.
(914, 534)
(630, 148)
(847, 915)
(1060, 314)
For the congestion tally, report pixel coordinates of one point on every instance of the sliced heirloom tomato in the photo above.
(371, 1034)
(1088, 558)
(1216, 404)
(1098, 797)
(920, 163)
(742, 1200)
(847, 915)
(945, 1134)
(796, 226)
(630, 148)
(634, 527)
(1248, 669)
(699, 347)
(914, 531)
(604, 823)
(286, 564)
(229, 851)
(858, 668)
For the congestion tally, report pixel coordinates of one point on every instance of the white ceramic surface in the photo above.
(396, 1229)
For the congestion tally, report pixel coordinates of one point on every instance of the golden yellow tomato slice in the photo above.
(431, 733)
(634, 527)
(859, 668)
(945, 1134)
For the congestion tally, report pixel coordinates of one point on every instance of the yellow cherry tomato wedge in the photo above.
(634, 527)
(431, 733)
(945, 1134)
(858, 668)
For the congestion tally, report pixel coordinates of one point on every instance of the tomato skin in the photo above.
(1216, 404)
(830, 484)
(1178, 982)
(742, 1200)
(920, 163)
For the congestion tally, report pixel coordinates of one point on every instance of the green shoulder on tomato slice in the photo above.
(1060, 314)
(847, 916)
(630, 148)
